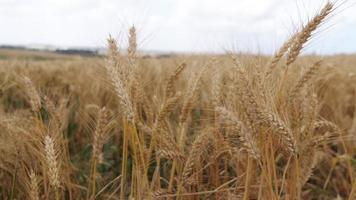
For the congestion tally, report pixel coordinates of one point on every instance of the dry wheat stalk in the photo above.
(52, 161)
(326, 126)
(216, 88)
(280, 53)
(114, 58)
(325, 131)
(56, 118)
(132, 58)
(256, 118)
(167, 108)
(246, 97)
(248, 141)
(121, 92)
(33, 186)
(190, 96)
(164, 111)
(131, 51)
(144, 128)
(201, 145)
(308, 160)
(137, 92)
(99, 134)
(311, 112)
(303, 81)
(169, 154)
(171, 84)
(35, 100)
(113, 50)
(167, 147)
(306, 33)
(278, 126)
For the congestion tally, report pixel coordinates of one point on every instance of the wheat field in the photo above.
(128, 126)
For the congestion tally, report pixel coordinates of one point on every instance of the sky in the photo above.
(258, 26)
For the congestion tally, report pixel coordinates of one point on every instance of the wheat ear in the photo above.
(33, 187)
(303, 81)
(35, 100)
(279, 54)
(99, 135)
(248, 141)
(201, 145)
(52, 162)
(132, 49)
(121, 92)
(306, 33)
(171, 84)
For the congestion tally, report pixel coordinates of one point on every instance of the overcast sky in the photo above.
(175, 25)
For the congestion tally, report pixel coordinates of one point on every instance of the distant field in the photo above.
(30, 54)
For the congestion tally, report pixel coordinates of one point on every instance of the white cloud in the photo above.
(177, 25)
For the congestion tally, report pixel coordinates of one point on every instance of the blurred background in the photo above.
(210, 26)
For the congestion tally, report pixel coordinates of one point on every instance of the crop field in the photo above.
(129, 126)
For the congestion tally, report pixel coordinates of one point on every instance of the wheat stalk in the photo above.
(280, 53)
(35, 100)
(52, 161)
(171, 84)
(190, 96)
(121, 92)
(200, 145)
(131, 51)
(33, 186)
(248, 141)
(306, 77)
(306, 33)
